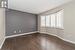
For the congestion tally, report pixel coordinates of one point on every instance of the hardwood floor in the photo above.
(36, 41)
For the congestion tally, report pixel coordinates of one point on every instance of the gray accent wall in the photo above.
(18, 22)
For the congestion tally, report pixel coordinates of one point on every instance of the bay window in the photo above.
(53, 20)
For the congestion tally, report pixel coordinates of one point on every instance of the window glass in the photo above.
(43, 20)
(48, 21)
(59, 16)
(53, 20)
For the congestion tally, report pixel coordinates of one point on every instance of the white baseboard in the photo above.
(20, 34)
(2, 43)
(60, 38)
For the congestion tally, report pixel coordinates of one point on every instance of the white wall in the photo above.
(69, 22)
(2, 26)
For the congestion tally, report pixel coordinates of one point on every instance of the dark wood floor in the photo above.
(36, 41)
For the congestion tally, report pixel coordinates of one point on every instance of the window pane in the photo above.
(53, 20)
(60, 19)
(48, 21)
(43, 21)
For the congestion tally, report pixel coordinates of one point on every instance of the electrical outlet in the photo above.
(15, 31)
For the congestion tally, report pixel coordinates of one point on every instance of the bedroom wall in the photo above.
(18, 22)
(2, 26)
(69, 22)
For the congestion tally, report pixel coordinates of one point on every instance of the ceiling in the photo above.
(35, 6)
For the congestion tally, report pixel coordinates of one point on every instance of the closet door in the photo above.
(2, 26)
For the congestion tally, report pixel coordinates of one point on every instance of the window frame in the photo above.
(61, 27)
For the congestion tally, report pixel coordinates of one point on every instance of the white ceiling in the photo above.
(35, 6)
